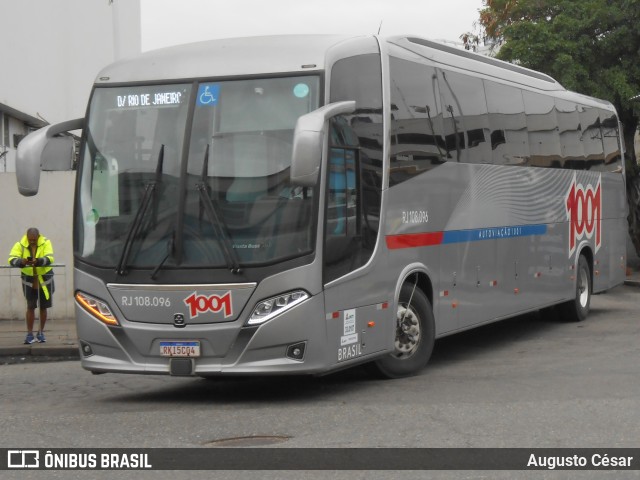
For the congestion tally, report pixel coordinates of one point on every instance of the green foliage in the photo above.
(589, 46)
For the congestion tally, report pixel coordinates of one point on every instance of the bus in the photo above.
(304, 204)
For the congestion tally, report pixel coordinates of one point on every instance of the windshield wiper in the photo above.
(170, 249)
(216, 222)
(134, 230)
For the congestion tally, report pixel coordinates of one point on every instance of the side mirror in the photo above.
(308, 142)
(57, 155)
(42, 150)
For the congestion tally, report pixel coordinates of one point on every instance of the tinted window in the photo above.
(542, 125)
(592, 144)
(355, 166)
(611, 141)
(570, 133)
(509, 138)
(417, 144)
(466, 124)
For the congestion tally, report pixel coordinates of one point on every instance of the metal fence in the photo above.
(13, 303)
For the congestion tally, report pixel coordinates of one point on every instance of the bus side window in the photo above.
(509, 139)
(570, 134)
(592, 143)
(417, 142)
(342, 199)
(611, 141)
(355, 166)
(342, 219)
(466, 123)
(542, 125)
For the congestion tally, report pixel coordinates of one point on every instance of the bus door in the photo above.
(356, 317)
(357, 302)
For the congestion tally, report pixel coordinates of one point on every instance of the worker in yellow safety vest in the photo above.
(33, 254)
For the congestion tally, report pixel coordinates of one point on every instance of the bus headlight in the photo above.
(97, 308)
(267, 309)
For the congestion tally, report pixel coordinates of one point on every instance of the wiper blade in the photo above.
(170, 249)
(216, 222)
(134, 230)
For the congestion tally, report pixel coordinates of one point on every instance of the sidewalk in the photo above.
(62, 339)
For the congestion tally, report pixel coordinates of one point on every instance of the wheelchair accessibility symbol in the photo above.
(208, 95)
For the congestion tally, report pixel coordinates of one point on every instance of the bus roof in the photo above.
(303, 54)
(225, 57)
(499, 70)
(291, 53)
(474, 62)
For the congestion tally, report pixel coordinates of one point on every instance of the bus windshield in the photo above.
(194, 175)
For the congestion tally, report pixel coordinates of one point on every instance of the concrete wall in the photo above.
(51, 211)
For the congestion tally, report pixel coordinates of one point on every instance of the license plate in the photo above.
(180, 349)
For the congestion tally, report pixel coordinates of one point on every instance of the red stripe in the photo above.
(411, 240)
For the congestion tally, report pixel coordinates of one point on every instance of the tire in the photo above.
(415, 335)
(576, 310)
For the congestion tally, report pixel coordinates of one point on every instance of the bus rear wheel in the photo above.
(576, 310)
(414, 336)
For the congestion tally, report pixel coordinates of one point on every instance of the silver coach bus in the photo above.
(302, 204)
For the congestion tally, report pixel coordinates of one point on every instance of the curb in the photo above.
(70, 351)
(63, 351)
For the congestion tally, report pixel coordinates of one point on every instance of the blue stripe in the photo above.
(492, 233)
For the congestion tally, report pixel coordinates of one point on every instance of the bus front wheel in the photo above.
(414, 335)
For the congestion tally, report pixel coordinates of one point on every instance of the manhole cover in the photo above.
(250, 441)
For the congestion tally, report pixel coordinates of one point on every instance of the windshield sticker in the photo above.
(149, 99)
(208, 95)
(349, 322)
(301, 90)
(92, 217)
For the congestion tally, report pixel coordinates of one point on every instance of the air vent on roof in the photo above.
(481, 58)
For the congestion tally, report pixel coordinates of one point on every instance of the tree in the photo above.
(589, 46)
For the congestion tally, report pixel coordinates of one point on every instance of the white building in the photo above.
(50, 55)
(56, 48)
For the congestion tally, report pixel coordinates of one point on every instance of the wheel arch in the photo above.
(410, 355)
(424, 280)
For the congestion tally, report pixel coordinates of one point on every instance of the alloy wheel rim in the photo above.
(408, 332)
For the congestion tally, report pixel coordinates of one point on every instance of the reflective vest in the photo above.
(43, 250)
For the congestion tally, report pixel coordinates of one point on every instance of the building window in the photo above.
(4, 120)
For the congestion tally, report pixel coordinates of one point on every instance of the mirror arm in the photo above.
(315, 121)
(69, 125)
(29, 154)
(309, 140)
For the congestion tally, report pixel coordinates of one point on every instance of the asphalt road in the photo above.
(530, 382)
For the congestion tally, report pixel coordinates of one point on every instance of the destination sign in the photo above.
(149, 99)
